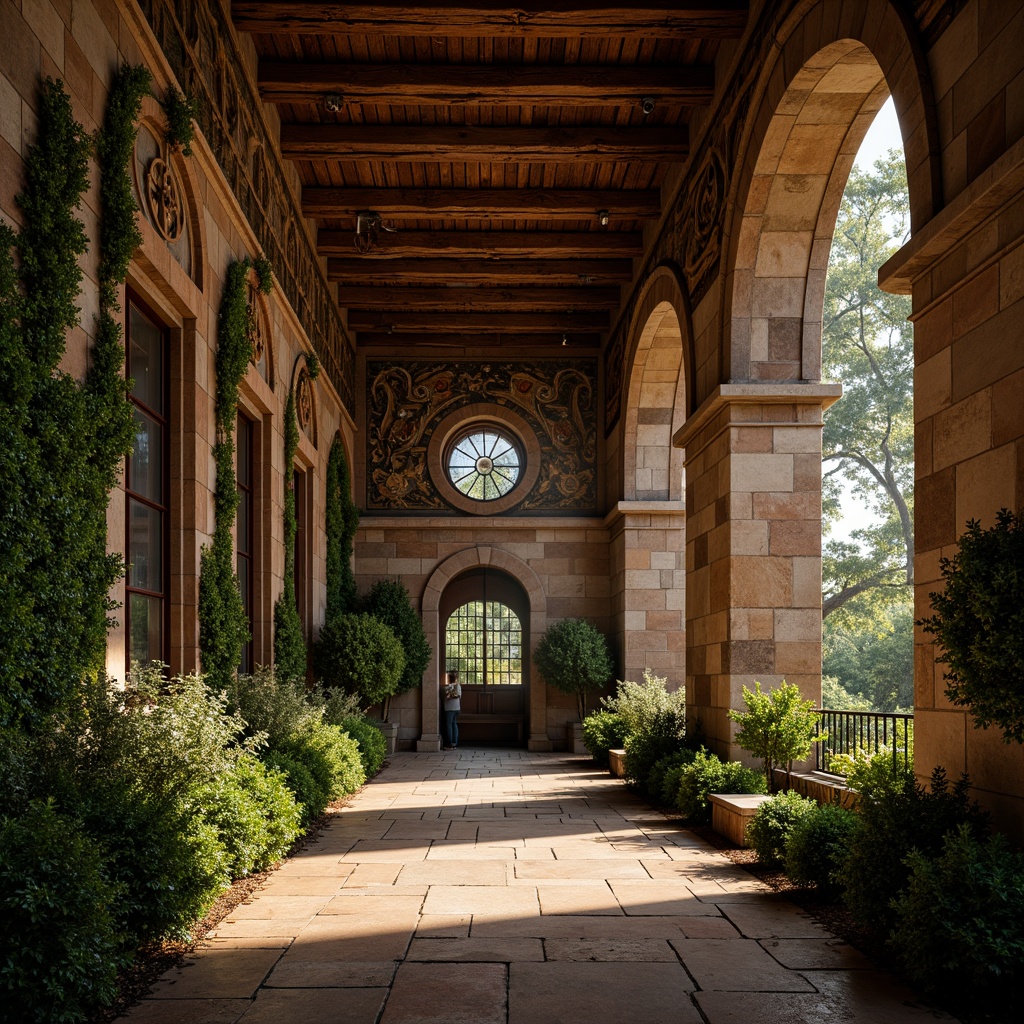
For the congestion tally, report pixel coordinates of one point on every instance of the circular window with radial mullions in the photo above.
(484, 464)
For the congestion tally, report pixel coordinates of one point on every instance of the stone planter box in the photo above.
(390, 730)
(731, 813)
(574, 738)
(617, 762)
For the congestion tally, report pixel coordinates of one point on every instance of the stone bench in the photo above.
(472, 718)
(731, 813)
(617, 762)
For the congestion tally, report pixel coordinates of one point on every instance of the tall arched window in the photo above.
(484, 641)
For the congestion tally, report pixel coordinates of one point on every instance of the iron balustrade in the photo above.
(873, 732)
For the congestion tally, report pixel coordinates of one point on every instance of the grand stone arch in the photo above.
(753, 447)
(478, 557)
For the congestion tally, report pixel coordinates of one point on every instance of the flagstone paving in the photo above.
(503, 887)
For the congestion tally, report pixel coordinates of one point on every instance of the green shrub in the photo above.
(979, 623)
(360, 655)
(603, 731)
(645, 749)
(663, 782)
(389, 602)
(640, 705)
(895, 817)
(255, 814)
(310, 796)
(777, 727)
(708, 774)
(573, 657)
(960, 921)
(275, 705)
(818, 846)
(373, 748)
(59, 944)
(331, 757)
(773, 822)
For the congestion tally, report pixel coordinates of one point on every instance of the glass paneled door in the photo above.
(486, 639)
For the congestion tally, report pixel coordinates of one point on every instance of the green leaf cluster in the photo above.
(979, 624)
(61, 440)
(341, 518)
(777, 727)
(573, 657)
(705, 774)
(180, 112)
(773, 822)
(223, 628)
(290, 654)
(359, 654)
(388, 601)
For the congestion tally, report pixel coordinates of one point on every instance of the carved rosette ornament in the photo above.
(255, 323)
(163, 196)
(304, 402)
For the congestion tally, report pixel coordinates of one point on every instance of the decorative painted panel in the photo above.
(407, 401)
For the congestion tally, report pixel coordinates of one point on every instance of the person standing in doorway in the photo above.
(451, 693)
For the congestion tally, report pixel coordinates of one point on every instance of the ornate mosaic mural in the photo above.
(406, 401)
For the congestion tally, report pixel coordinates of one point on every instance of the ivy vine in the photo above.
(61, 440)
(290, 655)
(180, 112)
(341, 518)
(264, 274)
(223, 628)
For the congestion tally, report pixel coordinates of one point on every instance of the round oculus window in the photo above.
(484, 464)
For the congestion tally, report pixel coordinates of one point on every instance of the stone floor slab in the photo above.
(575, 871)
(599, 950)
(592, 898)
(334, 973)
(816, 954)
(448, 994)
(218, 974)
(322, 1005)
(455, 872)
(600, 993)
(736, 965)
(476, 950)
(773, 918)
(188, 1011)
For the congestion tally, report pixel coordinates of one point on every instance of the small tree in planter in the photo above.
(388, 601)
(573, 657)
(979, 624)
(360, 655)
(777, 727)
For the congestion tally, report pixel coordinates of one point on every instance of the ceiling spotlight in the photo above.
(332, 101)
(647, 105)
(603, 217)
(565, 340)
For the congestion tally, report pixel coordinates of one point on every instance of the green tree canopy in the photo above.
(867, 345)
(573, 657)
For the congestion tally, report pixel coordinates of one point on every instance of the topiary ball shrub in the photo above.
(573, 657)
(979, 624)
(360, 655)
(707, 774)
(818, 845)
(389, 602)
(960, 922)
(60, 945)
(603, 731)
(773, 822)
(373, 747)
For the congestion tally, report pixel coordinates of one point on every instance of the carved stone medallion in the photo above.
(164, 198)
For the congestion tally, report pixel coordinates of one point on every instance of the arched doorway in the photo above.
(485, 620)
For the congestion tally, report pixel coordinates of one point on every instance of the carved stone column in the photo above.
(753, 547)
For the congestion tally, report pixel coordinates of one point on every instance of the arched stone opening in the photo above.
(753, 448)
(447, 572)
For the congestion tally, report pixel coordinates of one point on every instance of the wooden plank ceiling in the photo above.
(498, 163)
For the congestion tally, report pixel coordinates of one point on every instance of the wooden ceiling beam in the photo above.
(404, 321)
(481, 203)
(708, 19)
(355, 270)
(472, 143)
(470, 341)
(448, 85)
(538, 244)
(471, 299)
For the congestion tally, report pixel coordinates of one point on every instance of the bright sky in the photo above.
(883, 135)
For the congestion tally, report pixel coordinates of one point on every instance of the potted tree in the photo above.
(573, 657)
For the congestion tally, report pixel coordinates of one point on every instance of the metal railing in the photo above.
(872, 732)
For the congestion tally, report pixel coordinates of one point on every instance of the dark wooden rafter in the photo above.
(488, 243)
(481, 203)
(470, 298)
(505, 338)
(717, 19)
(471, 143)
(356, 270)
(404, 321)
(447, 85)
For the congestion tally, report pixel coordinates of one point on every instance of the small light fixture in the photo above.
(603, 217)
(332, 102)
(585, 278)
(647, 105)
(369, 225)
(565, 340)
